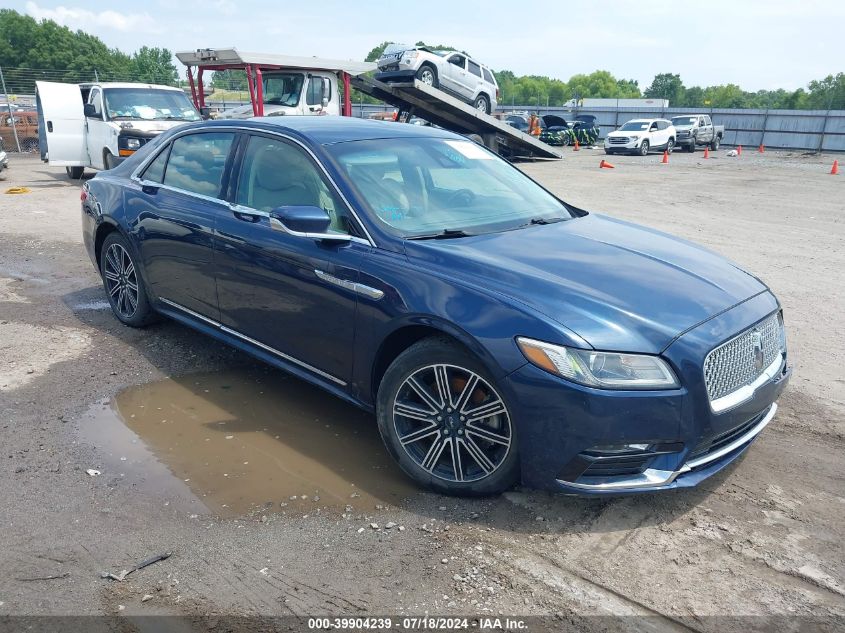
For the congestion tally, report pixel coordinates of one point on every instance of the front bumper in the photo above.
(568, 433)
(388, 76)
(630, 146)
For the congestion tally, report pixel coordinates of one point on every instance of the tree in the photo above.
(153, 65)
(627, 89)
(666, 86)
(828, 93)
(374, 54)
(229, 80)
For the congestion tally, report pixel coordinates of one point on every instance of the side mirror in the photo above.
(325, 102)
(90, 110)
(305, 221)
(205, 112)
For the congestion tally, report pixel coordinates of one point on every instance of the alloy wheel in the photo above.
(427, 76)
(121, 280)
(452, 423)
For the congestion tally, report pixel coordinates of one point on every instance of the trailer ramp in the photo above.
(450, 113)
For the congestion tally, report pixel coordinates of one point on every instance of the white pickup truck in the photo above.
(99, 124)
(697, 129)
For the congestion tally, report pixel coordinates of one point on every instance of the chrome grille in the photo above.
(735, 363)
(618, 140)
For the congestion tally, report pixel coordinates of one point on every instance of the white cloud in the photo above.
(90, 21)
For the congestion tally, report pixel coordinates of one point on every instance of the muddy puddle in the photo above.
(246, 441)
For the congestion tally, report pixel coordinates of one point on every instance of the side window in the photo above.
(277, 174)
(155, 170)
(474, 68)
(706, 120)
(197, 161)
(318, 88)
(488, 76)
(652, 127)
(458, 60)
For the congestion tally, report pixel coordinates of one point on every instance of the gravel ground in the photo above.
(763, 538)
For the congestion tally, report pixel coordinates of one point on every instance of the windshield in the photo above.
(422, 187)
(635, 126)
(283, 88)
(150, 104)
(684, 120)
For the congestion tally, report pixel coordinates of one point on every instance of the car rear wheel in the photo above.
(715, 144)
(482, 104)
(644, 148)
(670, 145)
(445, 422)
(124, 286)
(74, 172)
(428, 75)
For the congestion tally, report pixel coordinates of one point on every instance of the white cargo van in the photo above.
(99, 124)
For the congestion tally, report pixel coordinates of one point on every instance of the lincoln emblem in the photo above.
(757, 343)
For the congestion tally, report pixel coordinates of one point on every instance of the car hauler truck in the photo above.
(278, 84)
(322, 80)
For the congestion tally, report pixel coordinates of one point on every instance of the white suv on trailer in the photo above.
(451, 71)
(639, 136)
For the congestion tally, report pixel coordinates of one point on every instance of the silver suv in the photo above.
(451, 71)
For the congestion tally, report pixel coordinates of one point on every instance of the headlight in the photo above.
(605, 370)
(412, 55)
(133, 143)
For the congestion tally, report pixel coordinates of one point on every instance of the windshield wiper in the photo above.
(534, 221)
(445, 234)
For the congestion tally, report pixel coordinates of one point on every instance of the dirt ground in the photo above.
(763, 538)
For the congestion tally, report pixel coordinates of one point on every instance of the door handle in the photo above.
(49, 126)
(245, 214)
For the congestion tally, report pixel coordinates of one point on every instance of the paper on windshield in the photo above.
(471, 150)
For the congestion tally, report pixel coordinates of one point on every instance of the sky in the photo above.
(758, 44)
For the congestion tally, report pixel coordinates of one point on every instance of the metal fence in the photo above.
(810, 130)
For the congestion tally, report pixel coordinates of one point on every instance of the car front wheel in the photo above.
(428, 75)
(445, 422)
(644, 148)
(74, 172)
(123, 284)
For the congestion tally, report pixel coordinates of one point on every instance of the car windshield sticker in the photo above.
(470, 150)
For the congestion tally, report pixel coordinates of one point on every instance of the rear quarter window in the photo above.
(488, 76)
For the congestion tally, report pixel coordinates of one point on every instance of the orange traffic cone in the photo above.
(605, 165)
(833, 170)
(706, 152)
(739, 150)
(761, 148)
(665, 160)
(577, 146)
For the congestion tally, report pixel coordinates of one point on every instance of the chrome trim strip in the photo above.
(134, 175)
(197, 315)
(361, 289)
(246, 338)
(742, 394)
(653, 477)
(747, 437)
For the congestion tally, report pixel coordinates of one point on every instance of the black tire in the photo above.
(482, 104)
(691, 147)
(109, 161)
(670, 145)
(715, 144)
(74, 172)
(644, 148)
(428, 75)
(118, 279)
(608, 152)
(438, 427)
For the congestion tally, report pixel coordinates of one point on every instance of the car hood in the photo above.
(617, 285)
(621, 133)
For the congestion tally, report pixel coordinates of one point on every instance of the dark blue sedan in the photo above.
(498, 333)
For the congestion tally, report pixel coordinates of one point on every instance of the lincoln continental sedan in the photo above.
(499, 334)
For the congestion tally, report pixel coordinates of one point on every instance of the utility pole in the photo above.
(11, 115)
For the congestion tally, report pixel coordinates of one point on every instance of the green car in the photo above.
(557, 131)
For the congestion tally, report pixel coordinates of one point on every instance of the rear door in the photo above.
(707, 128)
(174, 213)
(60, 106)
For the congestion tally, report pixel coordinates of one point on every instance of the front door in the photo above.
(175, 210)
(456, 74)
(288, 293)
(60, 107)
(99, 132)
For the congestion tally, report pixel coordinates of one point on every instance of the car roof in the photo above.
(327, 130)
